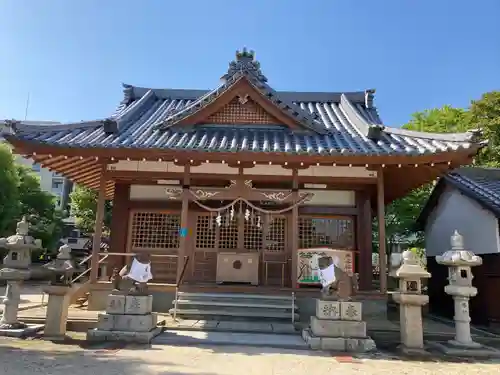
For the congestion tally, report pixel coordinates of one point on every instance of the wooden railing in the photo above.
(105, 256)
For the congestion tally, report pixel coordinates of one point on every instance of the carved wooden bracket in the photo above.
(239, 189)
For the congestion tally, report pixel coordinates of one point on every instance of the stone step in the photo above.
(260, 340)
(240, 303)
(239, 313)
(236, 326)
(234, 296)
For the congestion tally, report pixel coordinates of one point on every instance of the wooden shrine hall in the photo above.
(242, 183)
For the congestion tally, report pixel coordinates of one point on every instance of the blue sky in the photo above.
(72, 56)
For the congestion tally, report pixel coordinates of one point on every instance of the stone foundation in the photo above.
(338, 326)
(128, 318)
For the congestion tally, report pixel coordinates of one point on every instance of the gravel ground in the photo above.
(23, 357)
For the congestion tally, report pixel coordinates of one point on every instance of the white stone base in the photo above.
(449, 348)
(31, 329)
(95, 335)
(338, 344)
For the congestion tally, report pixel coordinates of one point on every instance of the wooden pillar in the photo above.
(181, 252)
(295, 226)
(99, 218)
(364, 239)
(240, 217)
(120, 216)
(381, 231)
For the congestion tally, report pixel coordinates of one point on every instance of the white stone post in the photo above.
(459, 262)
(11, 304)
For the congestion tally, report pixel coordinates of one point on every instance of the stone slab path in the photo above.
(200, 338)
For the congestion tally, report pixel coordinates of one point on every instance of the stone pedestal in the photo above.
(57, 311)
(9, 323)
(338, 326)
(128, 318)
(11, 303)
(410, 319)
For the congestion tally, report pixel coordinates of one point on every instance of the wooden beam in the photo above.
(295, 227)
(381, 231)
(77, 165)
(96, 241)
(364, 240)
(184, 223)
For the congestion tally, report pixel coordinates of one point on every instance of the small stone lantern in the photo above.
(62, 268)
(59, 291)
(459, 262)
(410, 298)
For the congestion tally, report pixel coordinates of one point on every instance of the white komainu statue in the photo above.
(139, 273)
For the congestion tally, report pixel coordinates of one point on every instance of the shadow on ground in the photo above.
(76, 357)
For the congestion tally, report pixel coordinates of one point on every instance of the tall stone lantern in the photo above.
(16, 269)
(459, 262)
(410, 298)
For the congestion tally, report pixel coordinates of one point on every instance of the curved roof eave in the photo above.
(338, 157)
(469, 136)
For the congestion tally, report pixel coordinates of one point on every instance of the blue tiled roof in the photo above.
(335, 123)
(479, 184)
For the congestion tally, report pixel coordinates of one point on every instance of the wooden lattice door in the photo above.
(157, 232)
(267, 236)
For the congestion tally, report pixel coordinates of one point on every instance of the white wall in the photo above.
(478, 226)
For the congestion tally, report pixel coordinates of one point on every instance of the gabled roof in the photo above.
(479, 184)
(328, 123)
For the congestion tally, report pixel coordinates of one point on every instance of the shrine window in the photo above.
(336, 233)
(155, 230)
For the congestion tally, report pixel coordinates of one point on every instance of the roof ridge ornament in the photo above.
(245, 62)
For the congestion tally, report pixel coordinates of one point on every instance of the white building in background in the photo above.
(50, 182)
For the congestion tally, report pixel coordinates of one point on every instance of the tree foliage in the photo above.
(9, 182)
(38, 206)
(84, 208)
(21, 195)
(483, 114)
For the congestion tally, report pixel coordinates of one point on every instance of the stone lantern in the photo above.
(410, 298)
(16, 269)
(62, 268)
(459, 262)
(59, 291)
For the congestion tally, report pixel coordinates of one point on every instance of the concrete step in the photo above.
(234, 306)
(236, 326)
(234, 296)
(239, 303)
(227, 313)
(260, 340)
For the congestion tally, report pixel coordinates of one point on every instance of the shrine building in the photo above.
(235, 186)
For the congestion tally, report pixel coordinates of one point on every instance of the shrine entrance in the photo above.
(245, 235)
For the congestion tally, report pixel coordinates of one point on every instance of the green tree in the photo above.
(84, 208)
(483, 114)
(440, 120)
(38, 206)
(9, 180)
